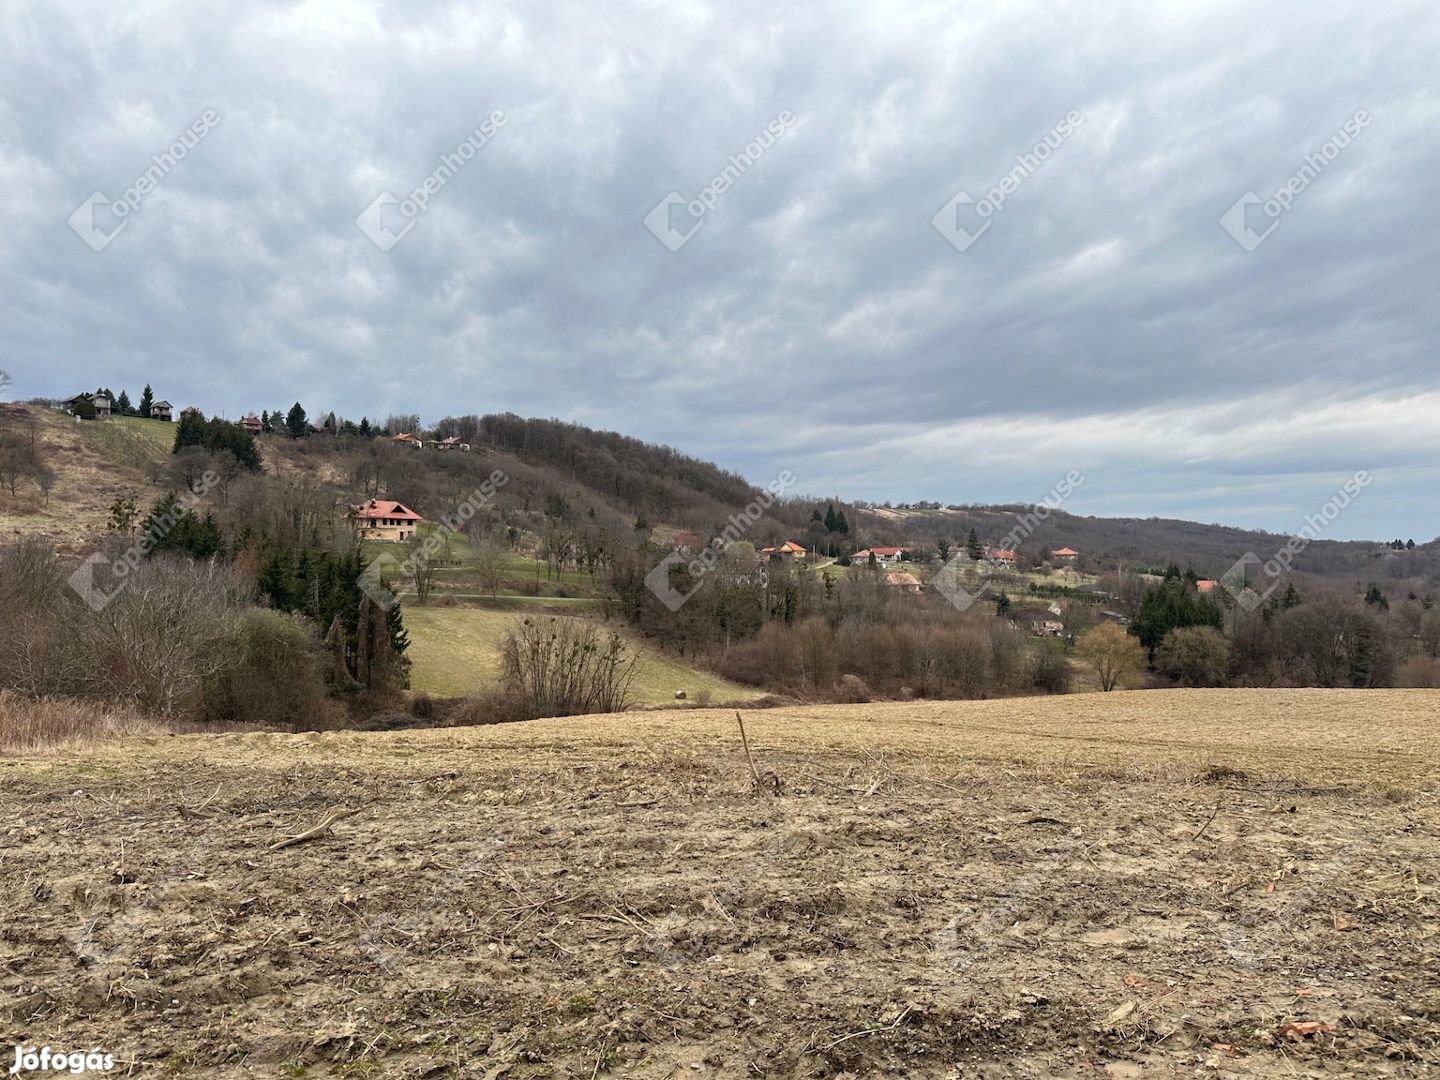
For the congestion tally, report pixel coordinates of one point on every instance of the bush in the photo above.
(273, 674)
(565, 667)
(1050, 672)
(422, 706)
(852, 690)
(497, 706)
(1195, 656)
(1419, 671)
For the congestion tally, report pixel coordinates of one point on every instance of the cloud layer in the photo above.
(815, 319)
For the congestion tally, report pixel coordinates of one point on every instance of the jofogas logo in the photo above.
(41, 1059)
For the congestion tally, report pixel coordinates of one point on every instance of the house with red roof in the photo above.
(406, 439)
(1001, 557)
(1205, 585)
(385, 520)
(1065, 554)
(788, 550)
(251, 424)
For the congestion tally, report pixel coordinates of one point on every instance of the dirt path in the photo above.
(1115, 885)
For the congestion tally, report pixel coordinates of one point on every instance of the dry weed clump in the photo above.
(28, 725)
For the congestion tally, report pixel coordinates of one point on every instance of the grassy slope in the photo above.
(94, 462)
(455, 651)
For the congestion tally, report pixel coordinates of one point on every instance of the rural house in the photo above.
(161, 410)
(1065, 555)
(686, 543)
(252, 424)
(1001, 557)
(453, 443)
(903, 580)
(383, 519)
(406, 439)
(885, 556)
(788, 550)
(99, 401)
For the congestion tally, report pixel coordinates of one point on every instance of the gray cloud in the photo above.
(816, 320)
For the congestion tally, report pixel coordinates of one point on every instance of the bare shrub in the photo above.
(1050, 672)
(1419, 672)
(29, 726)
(498, 706)
(564, 667)
(422, 706)
(851, 690)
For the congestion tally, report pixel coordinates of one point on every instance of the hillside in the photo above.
(604, 484)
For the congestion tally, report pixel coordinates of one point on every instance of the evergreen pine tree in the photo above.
(147, 398)
(123, 406)
(295, 422)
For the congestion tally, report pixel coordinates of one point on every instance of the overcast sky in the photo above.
(821, 316)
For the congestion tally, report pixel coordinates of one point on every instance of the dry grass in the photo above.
(28, 726)
(1124, 885)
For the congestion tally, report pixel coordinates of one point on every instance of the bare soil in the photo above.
(1117, 885)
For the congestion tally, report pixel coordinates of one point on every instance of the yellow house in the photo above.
(381, 519)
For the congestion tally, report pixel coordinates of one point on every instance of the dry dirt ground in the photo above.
(1188, 883)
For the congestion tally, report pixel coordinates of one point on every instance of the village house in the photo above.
(1205, 585)
(161, 410)
(99, 401)
(382, 519)
(1001, 557)
(453, 443)
(884, 556)
(787, 550)
(406, 439)
(903, 580)
(686, 543)
(252, 424)
(1065, 555)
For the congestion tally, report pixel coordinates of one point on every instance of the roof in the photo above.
(161, 405)
(902, 578)
(685, 539)
(385, 508)
(789, 547)
(248, 419)
(1002, 554)
(1065, 551)
(1205, 584)
(886, 551)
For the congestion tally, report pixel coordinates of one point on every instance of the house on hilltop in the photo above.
(453, 443)
(384, 519)
(162, 410)
(1001, 557)
(77, 405)
(406, 439)
(252, 424)
(1065, 555)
